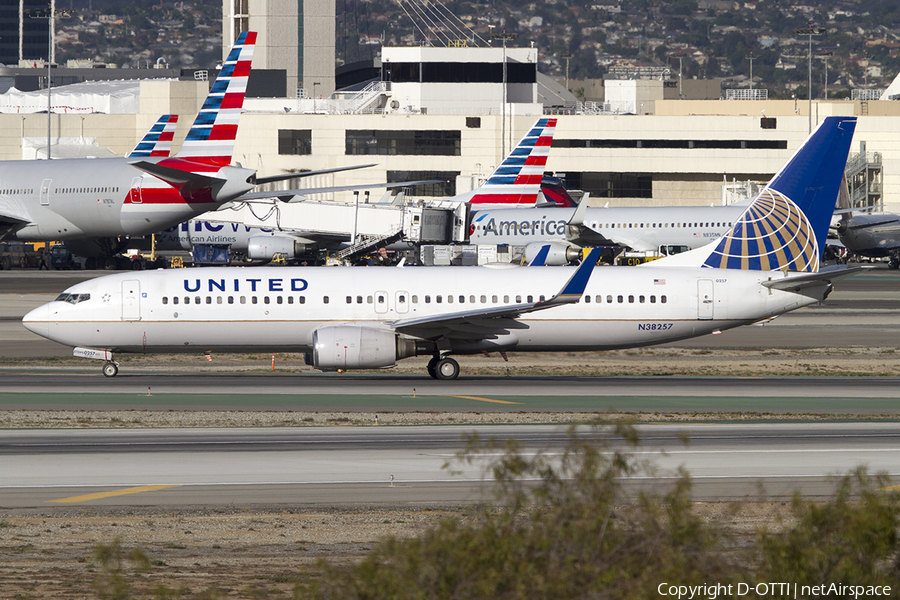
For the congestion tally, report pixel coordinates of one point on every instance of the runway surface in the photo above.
(345, 466)
(353, 465)
(383, 392)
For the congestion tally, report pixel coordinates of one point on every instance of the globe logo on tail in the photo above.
(773, 234)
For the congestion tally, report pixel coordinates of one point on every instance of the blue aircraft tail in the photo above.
(785, 227)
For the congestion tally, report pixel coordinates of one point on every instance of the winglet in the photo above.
(574, 288)
(580, 210)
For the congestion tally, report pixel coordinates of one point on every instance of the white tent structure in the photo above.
(108, 97)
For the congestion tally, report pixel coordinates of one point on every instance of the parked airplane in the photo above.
(767, 265)
(567, 230)
(106, 199)
(874, 235)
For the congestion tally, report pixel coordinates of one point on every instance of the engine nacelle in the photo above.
(351, 347)
(265, 247)
(560, 253)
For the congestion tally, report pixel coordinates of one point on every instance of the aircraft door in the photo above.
(401, 302)
(131, 300)
(45, 192)
(705, 300)
(136, 190)
(381, 302)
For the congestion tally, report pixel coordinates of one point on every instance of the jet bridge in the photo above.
(336, 224)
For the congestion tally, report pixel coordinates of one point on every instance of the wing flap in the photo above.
(486, 322)
(13, 216)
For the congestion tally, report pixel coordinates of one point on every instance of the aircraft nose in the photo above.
(38, 321)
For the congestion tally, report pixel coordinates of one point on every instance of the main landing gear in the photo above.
(443, 368)
(111, 369)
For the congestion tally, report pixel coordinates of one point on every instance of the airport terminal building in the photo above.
(453, 113)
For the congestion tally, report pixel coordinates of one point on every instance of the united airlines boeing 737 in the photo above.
(364, 318)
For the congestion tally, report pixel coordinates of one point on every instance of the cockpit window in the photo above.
(73, 298)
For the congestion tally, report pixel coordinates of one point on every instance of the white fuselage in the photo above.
(640, 228)
(88, 198)
(241, 309)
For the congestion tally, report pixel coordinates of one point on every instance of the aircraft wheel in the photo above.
(446, 368)
(110, 369)
(431, 367)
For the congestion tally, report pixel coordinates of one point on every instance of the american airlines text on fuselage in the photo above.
(558, 227)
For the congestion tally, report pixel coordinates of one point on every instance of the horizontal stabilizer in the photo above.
(175, 177)
(795, 283)
(301, 174)
(288, 195)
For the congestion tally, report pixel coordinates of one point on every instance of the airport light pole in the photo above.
(567, 56)
(50, 14)
(810, 31)
(824, 54)
(503, 36)
(679, 56)
(750, 57)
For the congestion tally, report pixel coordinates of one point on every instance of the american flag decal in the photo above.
(659, 282)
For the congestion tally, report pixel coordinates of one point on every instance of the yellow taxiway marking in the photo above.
(134, 490)
(486, 399)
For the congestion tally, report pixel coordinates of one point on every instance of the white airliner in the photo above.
(363, 318)
(106, 199)
(567, 230)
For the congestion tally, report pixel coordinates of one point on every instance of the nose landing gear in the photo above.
(111, 369)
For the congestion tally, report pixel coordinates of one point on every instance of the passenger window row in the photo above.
(381, 299)
(620, 299)
(656, 225)
(92, 190)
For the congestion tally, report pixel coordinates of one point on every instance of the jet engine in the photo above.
(560, 253)
(352, 347)
(264, 247)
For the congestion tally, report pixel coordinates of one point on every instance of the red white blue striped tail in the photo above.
(517, 181)
(158, 140)
(211, 138)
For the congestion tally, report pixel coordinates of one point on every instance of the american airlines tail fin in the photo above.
(517, 181)
(158, 140)
(201, 170)
(785, 227)
(211, 137)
